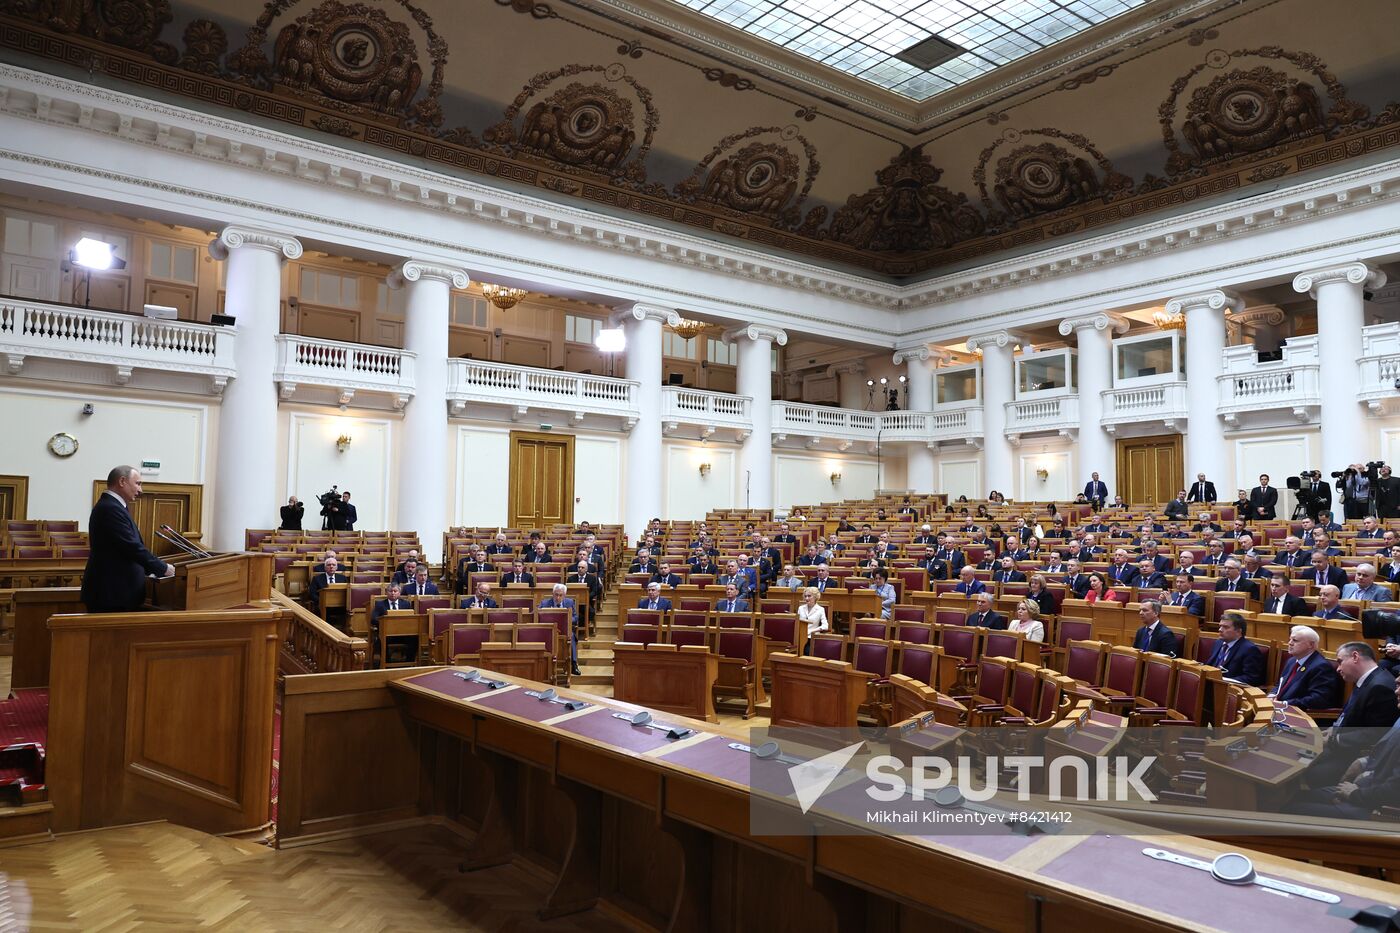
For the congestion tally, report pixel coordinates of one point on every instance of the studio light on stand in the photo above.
(611, 341)
(90, 254)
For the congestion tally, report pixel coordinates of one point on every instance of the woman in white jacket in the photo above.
(1027, 621)
(813, 614)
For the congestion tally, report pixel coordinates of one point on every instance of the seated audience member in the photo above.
(937, 568)
(643, 563)
(421, 585)
(755, 578)
(324, 579)
(1153, 635)
(785, 535)
(1182, 595)
(1160, 562)
(1326, 523)
(585, 556)
(393, 600)
(1308, 680)
(499, 545)
(1099, 589)
(481, 599)
(653, 599)
(1366, 586)
(406, 572)
(823, 580)
(968, 584)
(1149, 577)
(1038, 589)
(1391, 572)
(732, 575)
(517, 574)
(540, 554)
(1235, 654)
(1027, 620)
(1369, 529)
(1186, 563)
(1368, 713)
(412, 556)
(1281, 600)
(1329, 604)
(1369, 784)
(789, 580)
(1323, 573)
(1120, 572)
(1215, 553)
(1177, 508)
(731, 601)
(879, 582)
(1076, 579)
(1054, 563)
(1205, 522)
(810, 557)
(666, 577)
(1322, 544)
(321, 567)
(1292, 555)
(983, 616)
(1232, 582)
(702, 563)
(559, 599)
(466, 567)
(1007, 572)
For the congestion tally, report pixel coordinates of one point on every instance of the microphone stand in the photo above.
(180, 541)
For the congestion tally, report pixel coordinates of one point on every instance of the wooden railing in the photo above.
(308, 645)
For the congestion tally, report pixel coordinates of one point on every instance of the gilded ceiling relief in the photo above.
(756, 172)
(1043, 171)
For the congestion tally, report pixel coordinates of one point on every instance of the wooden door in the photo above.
(1149, 468)
(179, 505)
(541, 479)
(14, 497)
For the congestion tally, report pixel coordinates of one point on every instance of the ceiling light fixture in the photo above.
(687, 328)
(502, 296)
(1165, 320)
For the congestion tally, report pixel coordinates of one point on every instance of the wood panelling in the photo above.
(688, 370)
(541, 479)
(179, 505)
(14, 496)
(525, 351)
(581, 358)
(32, 644)
(180, 297)
(469, 344)
(1149, 468)
(328, 323)
(162, 715)
(723, 379)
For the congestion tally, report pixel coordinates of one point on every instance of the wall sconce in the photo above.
(835, 479)
(1042, 474)
(342, 443)
(704, 469)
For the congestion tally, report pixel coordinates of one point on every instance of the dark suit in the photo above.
(1096, 493)
(1009, 576)
(1177, 509)
(537, 557)
(566, 603)
(1241, 586)
(402, 577)
(494, 548)
(1201, 492)
(1160, 639)
(660, 604)
(1370, 709)
(118, 562)
(381, 607)
(672, 580)
(429, 589)
(319, 582)
(1240, 660)
(1288, 605)
(1153, 581)
(1299, 558)
(291, 516)
(737, 605)
(710, 568)
(1376, 786)
(595, 586)
(1388, 497)
(476, 603)
(1121, 573)
(1316, 686)
(1336, 612)
(955, 559)
(1078, 584)
(1191, 601)
(1335, 576)
(991, 620)
(971, 589)
(1319, 498)
(937, 569)
(526, 578)
(1265, 499)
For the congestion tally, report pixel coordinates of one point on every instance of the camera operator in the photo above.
(1313, 494)
(1354, 484)
(291, 515)
(1387, 494)
(332, 510)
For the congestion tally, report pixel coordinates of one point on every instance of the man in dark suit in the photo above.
(1149, 577)
(665, 577)
(584, 573)
(1263, 500)
(559, 599)
(1308, 680)
(1292, 554)
(1315, 495)
(118, 562)
(1370, 783)
(1282, 601)
(1177, 509)
(1390, 572)
(538, 555)
(324, 579)
(784, 535)
(950, 555)
(731, 601)
(703, 563)
(1007, 572)
(1324, 574)
(405, 574)
(292, 514)
(1153, 635)
(1232, 582)
(499, 545)
(823, 580)
(866, 536)
(937, 569)
(968, 584)
(1077, 580)
(1120, 572)
(1387, 494)
(984, 616)
(393, 600)
(1096, 491)
(421, 585)
(653, 599)
(1184, 596)
(1201, 490)
(1235, 654)
(1328, 604)
(517, 574)
(643, 563)
(348, 515)
(1370, 711)
(481, 599)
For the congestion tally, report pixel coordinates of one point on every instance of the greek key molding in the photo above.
(1357, 274)
(237, 236)
(1101, 321)
(415, 270)
(757, 332)
(1217, 299)
(996, 338)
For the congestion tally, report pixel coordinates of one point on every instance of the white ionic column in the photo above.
(998, 379)
(1338, 291)
(850, 377)
(1095, 338)
(246, 457)
(1205, 357)
(755, 379)
(642, 324)
(423, 476)
(919, 462)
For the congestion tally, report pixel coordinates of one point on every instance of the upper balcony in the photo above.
(847, 426)
(121, 343)
(347, 370)
(516, 390)
(1293, 383)
(1057, 413)
(707, 410)
(1380, 366)
(1164, 402)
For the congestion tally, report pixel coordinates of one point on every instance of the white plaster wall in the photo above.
(805, 479)
(482, 475)
(1057, 485)
(597, 478)
(123, 429)
(366, 469)
(687, 494)
(960, 475)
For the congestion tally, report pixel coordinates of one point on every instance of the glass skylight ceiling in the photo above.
(863, 37)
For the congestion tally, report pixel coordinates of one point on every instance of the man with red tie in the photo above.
(1308, 681)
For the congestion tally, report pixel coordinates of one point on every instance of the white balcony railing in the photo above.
(1165, 402)
(707, 409)
(349, 368)
(123, 341)
(1379, 365)
(962, 424)
(1043, 414)
(845, 424)
(524, 387)
(817, 421)
(1292, 383)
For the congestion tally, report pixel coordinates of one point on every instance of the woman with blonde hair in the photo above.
(811, 612)
(1027, 621)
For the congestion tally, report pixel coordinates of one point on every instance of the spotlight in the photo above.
(870, 383)
(95, 254)
(611, 340)
(884, 381)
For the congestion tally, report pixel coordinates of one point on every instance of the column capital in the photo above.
(846, 368)
(645, 312)
(1359, 274)
(996, 338)
(236, 236)
(1103, 320)
(757, 332)
(415, 270)
(920, 354)
(1217, 299)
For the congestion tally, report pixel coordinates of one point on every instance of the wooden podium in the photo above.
(222, 581)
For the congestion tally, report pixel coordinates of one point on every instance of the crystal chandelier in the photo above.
(687, 328)
(1165, 320)
(502, 296)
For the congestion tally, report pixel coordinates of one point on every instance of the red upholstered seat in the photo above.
(872, 656)
(1024, 680)
(695, 605)
(687, 634)
(691, 617)
(993, 681)
(1156, 680)
(466, 641)
(1002, 645)
(870, 628)
(908, 614)
(950, 616)
(641, 634)
(828, 647)
(960, 642)
(1084, 661)
(917, 633)
(440, 621)
(1121, 675)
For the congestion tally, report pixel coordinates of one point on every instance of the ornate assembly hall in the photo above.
(699, 465)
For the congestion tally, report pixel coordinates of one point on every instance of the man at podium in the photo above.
(118, 562)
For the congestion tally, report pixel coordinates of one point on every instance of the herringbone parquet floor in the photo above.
(160, 876)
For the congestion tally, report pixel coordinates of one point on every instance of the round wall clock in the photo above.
(63, 445)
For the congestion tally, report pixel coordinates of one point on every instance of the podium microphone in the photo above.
(181, 542)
